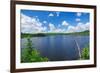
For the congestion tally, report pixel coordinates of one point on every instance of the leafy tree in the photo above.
(30, 54)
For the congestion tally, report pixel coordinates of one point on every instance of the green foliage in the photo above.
(30, 54)
(85, 53)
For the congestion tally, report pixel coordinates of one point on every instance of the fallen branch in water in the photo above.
(78, 48)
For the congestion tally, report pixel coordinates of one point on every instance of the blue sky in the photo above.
(53, 21)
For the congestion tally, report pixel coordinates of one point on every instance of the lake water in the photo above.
(58, 47)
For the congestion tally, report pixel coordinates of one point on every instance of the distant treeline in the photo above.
(80, 33)
(23, 35)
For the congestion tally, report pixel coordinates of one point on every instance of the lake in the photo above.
(58, 47)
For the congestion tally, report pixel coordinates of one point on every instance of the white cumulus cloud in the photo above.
(31, 24)
(65, 23)
(51, 14)
(57, 29)
(58, 13)
(51, 27)
(78, 19)
(44, 22)
(79, 14)
(79, 27)
(70, 29)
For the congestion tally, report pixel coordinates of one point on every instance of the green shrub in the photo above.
(30, 54)
(85, 53)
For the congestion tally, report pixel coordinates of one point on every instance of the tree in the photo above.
(30, 54)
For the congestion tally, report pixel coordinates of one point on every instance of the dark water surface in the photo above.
(58, 47)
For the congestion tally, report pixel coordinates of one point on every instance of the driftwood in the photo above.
(78, 48)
